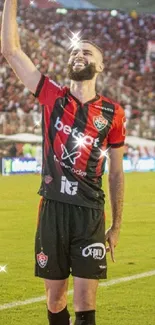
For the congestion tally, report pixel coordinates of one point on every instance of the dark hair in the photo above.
(92, 43)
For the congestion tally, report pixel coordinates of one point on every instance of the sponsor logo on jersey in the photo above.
(72, 156)
(42, 259)
(96, 250)
(66, 129)
(68, 187)
(103, 108)
(100, 122)
(73, 170)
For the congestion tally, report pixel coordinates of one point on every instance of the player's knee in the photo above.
(84, 303)
(85, 318)
(56, 304)
(59, 318)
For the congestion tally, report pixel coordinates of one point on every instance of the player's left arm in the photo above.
(116, 191)
(116, 139)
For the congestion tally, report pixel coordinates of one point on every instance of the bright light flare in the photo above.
(37, 123)
(74, 40)
(32, 3)
(104, 153)
(3, 268)
(80, 142)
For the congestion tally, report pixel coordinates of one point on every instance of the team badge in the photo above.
(100, 122)
(42, 259)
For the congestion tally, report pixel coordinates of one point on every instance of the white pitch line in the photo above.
(102, 284)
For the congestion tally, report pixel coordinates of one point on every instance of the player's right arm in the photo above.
(11, 49)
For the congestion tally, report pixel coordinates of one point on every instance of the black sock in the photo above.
(85, 317)
(61, 318)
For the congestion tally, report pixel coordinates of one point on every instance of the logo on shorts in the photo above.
(97, 251)
(100, 122)
(102, 267)
(68, 187)
(42, 259)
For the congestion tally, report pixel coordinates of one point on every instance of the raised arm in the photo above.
(11, 49)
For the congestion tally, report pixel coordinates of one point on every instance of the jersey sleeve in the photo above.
(47, 91)
(117, 132)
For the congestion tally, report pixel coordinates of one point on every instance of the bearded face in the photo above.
(80, 70)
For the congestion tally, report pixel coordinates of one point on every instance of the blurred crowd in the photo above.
(21, 150)
(44, 37)
(34, 150)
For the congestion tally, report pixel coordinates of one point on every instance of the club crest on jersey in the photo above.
(100, 122)
(42, 259)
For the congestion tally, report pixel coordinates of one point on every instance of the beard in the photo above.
(87, 73)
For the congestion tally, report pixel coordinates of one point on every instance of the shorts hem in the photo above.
(47, 277)
(93, 277)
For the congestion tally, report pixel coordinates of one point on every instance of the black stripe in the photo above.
(108, 107)
(39, 87)
(116, 145)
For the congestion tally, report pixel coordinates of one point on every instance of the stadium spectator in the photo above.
(124, 41)
(12, 150)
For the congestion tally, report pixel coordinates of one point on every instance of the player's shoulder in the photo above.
(50, 83)
(118, 109)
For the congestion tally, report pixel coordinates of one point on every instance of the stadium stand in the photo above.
(44, 38)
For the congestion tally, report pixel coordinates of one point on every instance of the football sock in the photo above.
(85, 317)
(61, 318)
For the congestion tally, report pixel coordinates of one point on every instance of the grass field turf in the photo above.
(125, 303)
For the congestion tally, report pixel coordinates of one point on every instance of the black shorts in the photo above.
(70, 239)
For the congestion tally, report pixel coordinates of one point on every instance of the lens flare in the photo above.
(3, 268)
(74, 40)
(104, 153)
(80, 142)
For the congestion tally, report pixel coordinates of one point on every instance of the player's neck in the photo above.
(84, 91)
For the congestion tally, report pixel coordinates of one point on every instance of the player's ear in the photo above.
(100, 67)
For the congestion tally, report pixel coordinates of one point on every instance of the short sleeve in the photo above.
(47, 91)
(117, 132)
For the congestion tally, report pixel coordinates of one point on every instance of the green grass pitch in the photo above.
(130, 303)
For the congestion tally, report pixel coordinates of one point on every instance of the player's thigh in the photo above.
(88, 252)
(52, 241)
(85, 294)
(56, 293)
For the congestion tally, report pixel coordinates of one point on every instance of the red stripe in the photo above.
(90, 131)
(65, 124)
(47, 114)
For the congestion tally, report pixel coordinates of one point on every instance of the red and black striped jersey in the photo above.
(75, 137)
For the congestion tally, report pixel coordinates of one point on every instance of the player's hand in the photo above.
(111, 236)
